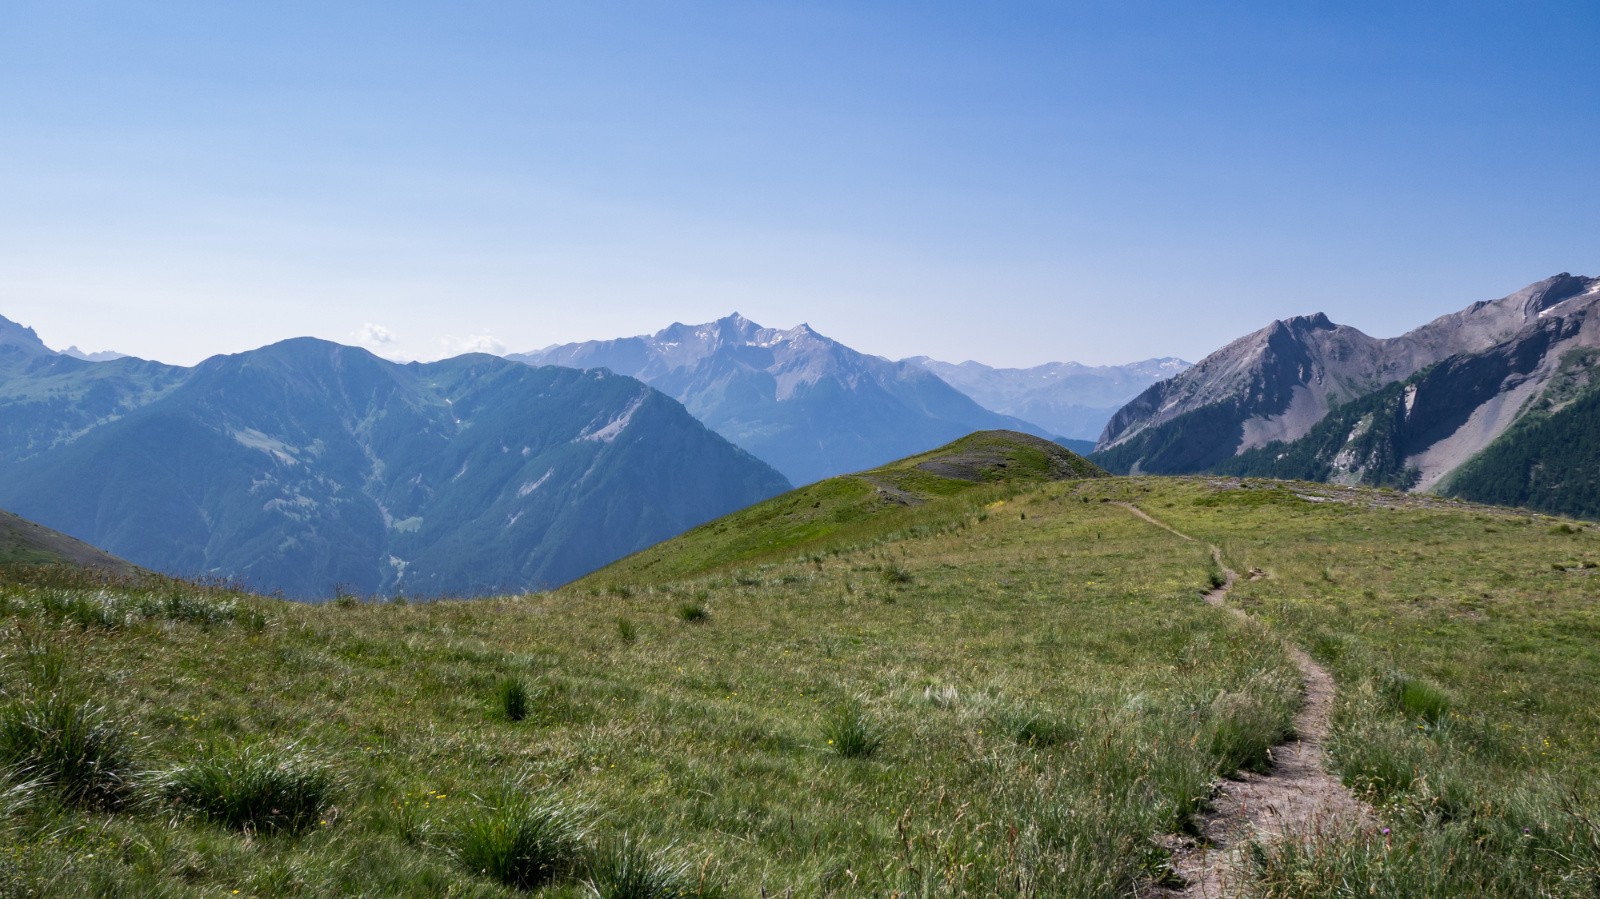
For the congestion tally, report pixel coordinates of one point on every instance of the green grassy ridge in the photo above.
(23, 542)
(982, 467)
(1051, 693)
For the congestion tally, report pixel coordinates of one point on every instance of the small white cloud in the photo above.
(372, 336)
(483, 343)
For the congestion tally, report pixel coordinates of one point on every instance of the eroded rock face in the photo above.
(1276, 385)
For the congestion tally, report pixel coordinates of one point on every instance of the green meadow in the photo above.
(979, 678)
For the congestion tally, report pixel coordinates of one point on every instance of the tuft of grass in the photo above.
(253, 788)
(851, 733)
(626, 631)
(523, 842)
(511, 697)
(623, 868)
(1215, 576)
(1417, 698)
(1035, 727)
(61, 739)
(1242, 729)
(188, 607)
(693, 612)
(896, 574)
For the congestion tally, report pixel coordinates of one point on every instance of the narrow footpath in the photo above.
(1295, 798)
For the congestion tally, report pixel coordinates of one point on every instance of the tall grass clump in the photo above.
(851, 733)
(896, 574)
(253, 788)
(1081, 829)
(1421, 860)
(57, 735)
(1216, 578)
(693, 612)
(185, 607)
(522, 842)
(623, 868)
(1036, 727)
(1243, 726)
(511, 696)
(1417, 698)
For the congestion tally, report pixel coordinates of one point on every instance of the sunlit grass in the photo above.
(1049, 694)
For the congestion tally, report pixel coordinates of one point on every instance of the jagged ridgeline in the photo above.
(807, 404)
(977, 468)
(308, 467)
(1493, 403)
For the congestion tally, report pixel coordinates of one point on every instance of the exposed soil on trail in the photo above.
(1295, 799)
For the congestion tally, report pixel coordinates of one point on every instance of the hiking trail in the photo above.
(1295, 799)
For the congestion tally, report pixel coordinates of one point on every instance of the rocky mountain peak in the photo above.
(1277, 384)
(18, 337)
(1542, 295)
(735, 328)
(101, 356)
(1301, 324)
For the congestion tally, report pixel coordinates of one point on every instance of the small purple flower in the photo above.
(1386, 831)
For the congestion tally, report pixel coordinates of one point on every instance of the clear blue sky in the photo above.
(1010, 182)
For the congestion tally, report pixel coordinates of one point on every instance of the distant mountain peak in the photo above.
(13, 335)
(802, 401)
(1066, 398)
(102, 356)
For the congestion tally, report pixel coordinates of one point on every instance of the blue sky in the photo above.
(1010, 182)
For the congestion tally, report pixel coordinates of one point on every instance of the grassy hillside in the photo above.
(1001, 686)
(868, 505)
(23, 542)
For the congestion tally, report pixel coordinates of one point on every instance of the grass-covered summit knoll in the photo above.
(1009, 688)
(866, 505)
(23, 542)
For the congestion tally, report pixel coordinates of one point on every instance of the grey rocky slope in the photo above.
(1459, 383)
(307, 467)
(1064, 398)
(808, 405)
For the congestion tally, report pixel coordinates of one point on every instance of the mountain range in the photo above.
(307, 466)
(1066, 398)
(1496, 402)
(808, 405)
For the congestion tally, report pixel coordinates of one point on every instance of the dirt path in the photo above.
(1296, 798)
